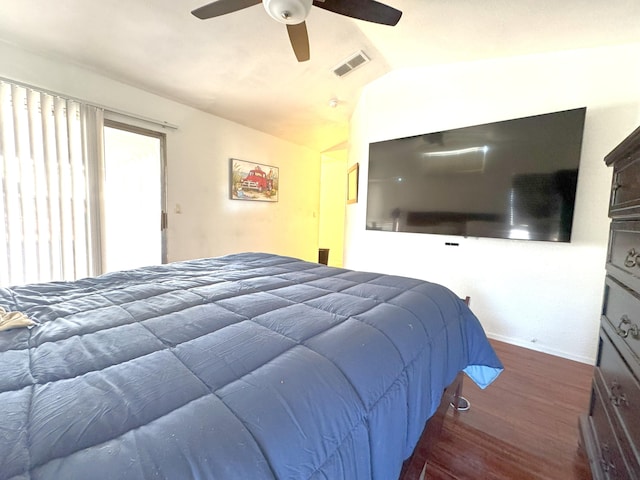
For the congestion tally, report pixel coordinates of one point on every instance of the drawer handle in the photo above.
(605, 459)
(615, 186)
(617, 398)
(632, 258)
(633, 330)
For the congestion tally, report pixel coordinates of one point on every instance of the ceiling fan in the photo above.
(294, 12)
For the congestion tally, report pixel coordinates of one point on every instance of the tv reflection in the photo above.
(541, 205)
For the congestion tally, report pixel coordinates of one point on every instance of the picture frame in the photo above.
(253, 181)
(352, 184)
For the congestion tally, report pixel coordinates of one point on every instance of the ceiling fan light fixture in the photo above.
(290, 12)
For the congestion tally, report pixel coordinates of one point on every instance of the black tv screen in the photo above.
(512, 179)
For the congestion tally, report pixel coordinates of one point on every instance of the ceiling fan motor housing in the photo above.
(290, 12)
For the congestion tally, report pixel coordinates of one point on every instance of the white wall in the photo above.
(198, 152)
(535, 294)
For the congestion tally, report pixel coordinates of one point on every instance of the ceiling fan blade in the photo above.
(368, 10)
(299, 40)
(221, 7)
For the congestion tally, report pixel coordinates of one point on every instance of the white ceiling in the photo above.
(241, 66)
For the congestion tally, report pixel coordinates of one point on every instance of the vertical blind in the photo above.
(49, 172)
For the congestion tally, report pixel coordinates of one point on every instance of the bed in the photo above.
(251, 365)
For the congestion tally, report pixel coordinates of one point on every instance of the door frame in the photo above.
(162, 137)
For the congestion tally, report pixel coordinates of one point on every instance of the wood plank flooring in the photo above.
(523, 426)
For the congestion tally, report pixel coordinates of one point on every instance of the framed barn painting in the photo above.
(253, 181)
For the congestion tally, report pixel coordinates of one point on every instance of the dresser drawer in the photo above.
(610, 460)
(621, 391)
(625, 189)
(623, 257)
(621, 312)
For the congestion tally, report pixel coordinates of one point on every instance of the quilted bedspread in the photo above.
(249, 366)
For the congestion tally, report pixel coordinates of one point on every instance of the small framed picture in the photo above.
(352, 184)
(253, 181)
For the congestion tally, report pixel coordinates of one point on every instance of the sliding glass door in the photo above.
(134, 219)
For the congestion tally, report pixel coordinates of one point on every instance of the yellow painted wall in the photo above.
(333, 193)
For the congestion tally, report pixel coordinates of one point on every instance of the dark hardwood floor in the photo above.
(523, 426)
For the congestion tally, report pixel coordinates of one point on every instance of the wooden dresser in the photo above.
(610, 432)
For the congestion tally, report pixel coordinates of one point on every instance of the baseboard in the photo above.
(541, 348)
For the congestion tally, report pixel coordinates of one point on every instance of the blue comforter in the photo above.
(248, 366)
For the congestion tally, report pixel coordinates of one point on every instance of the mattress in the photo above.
(252, 365)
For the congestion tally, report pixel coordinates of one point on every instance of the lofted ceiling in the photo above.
(241, 66)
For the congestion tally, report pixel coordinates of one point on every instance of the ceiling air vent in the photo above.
(351, 63)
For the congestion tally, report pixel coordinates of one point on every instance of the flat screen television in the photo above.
(513, 179)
